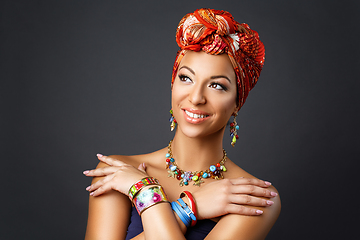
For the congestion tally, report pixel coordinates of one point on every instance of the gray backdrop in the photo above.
(82, 77)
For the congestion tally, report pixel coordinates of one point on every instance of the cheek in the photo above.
(178, 93)
(228, 106)
(175, 103)
(176, 97)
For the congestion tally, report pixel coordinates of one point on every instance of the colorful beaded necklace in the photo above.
(214, 171)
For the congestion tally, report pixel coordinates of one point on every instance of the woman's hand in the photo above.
(226, 196)
(118, 176)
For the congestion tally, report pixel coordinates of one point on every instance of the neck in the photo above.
(195, 154)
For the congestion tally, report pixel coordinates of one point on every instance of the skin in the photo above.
(244, 207)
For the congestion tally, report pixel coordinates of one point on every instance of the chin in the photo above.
(191, 132)
(197, 131)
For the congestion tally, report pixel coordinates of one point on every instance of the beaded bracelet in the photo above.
(192, 202)
(181, 213)
(136, 187)
(149, 197)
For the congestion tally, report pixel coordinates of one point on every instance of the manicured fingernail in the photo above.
(267, 183)
(88, 188)
(99, 155)
(274, 194)
(86, 172)
(268, 202)
(92, 193)
(259, 212)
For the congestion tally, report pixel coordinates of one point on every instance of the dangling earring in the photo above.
(233, 131)
(172, 121)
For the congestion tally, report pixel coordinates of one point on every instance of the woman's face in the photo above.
(204, 93)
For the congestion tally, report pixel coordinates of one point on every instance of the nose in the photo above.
(196, 95)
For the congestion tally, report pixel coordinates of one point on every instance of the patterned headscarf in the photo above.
(216, 32)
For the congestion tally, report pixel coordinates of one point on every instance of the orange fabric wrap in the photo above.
(216, 32)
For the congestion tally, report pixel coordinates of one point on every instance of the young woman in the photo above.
(191, 189)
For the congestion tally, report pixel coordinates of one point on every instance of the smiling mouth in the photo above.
(194, 115)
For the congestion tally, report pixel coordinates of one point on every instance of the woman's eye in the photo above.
(184, 78)
(217, 86)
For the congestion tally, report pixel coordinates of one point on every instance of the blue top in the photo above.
(199, 231)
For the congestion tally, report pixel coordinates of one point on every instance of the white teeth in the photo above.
(194, 115)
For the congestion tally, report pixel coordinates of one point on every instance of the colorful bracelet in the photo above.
(187, 210)
(136, 187)
(181, 213)
(192, 202)
(149, 197)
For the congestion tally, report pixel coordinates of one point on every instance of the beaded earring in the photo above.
(233, 131)
(172, 121)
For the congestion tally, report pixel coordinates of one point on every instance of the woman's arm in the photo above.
(109, 214)
(234, 197)
(235, 226)
(158, 221)
(231, 197)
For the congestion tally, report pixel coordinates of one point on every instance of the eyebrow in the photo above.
(221, 76)
(212, 77)
(192, 71)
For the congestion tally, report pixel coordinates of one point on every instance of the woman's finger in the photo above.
(99, 183)
(242, 210)
(102, 189)
(252, 190)
(250, 200)
(109, 160)
(142, 167)
(100, 172)
(250, 181)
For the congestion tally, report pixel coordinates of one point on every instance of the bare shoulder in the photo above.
(248, 227)
(135, 160)
(235, 172)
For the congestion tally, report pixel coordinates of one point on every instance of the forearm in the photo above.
(163, 223)
(183, 228)
(159, 222)
(108, 216)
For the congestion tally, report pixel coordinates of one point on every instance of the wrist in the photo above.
(190, 201)
(149, 196)
(139, 185)
(185, 209)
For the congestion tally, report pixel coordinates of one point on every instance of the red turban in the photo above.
(216, 32)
